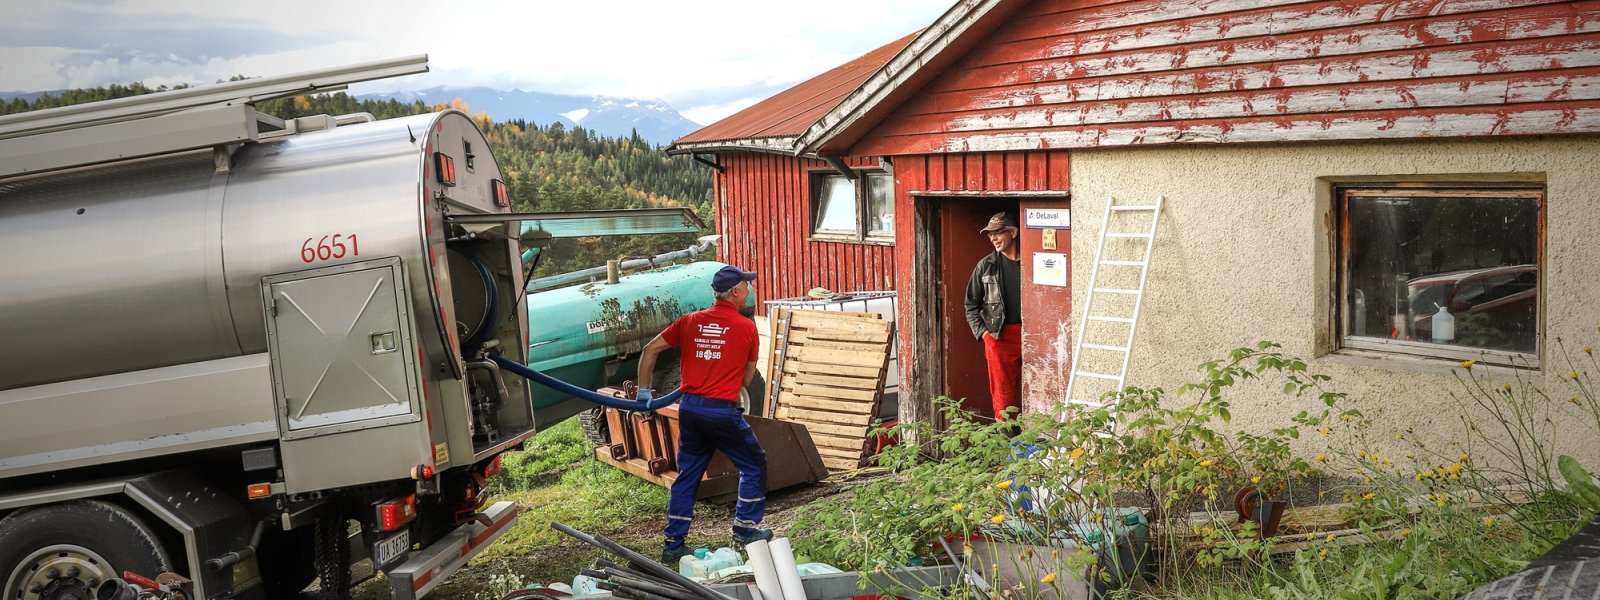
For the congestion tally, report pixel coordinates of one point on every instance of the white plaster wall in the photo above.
(1243, 255)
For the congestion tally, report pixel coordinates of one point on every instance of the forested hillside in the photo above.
(547, 167)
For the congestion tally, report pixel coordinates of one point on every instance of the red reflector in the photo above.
(395, 513)
(422, 472)
(445, 167)
(259, 490)
(502, 197)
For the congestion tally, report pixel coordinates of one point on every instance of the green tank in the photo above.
(590, 335)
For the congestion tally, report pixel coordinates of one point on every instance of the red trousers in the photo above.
(1005, 369)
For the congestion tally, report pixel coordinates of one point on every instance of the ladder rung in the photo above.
(1088, 403)
(1123, 263)
(1097, 375)
(1129, 235)
(1110, 319)
(1135, 207)
(1105, 347)
(1115, 291)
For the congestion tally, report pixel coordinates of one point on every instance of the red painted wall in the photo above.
(1047, 327)
(968, 188)
(764, 216)
(1077, 73)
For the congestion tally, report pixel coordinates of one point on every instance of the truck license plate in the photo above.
(391, 549)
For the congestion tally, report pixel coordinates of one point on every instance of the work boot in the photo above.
(740, 540)
(670, 556)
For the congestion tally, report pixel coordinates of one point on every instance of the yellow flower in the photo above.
(1004, 485)
(1048, 577)
(1362, 454)
(1323, 430)
(1322, 457)
(1455, 468)
(1573, 375)
(1077, 455)
(958, 507)
(1505, 387)
(1467, 364)
(1404, 533)
(1256, 479)
(997, 519)
(1399, 436)
(1330, 537)
(1463, 457)
(1588, 349)
(966, 549)
(1322, 554)
(1207, 462)
(1368, 496)
(1488, 521)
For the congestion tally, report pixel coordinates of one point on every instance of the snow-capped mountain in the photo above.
(655, 120)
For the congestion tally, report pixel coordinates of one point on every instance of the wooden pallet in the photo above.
(827, 372)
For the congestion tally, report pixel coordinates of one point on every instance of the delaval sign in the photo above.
(1048, 218)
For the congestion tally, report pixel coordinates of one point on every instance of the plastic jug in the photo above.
(560, 587)
(1444, 325)
(584, 585)
(703, 562)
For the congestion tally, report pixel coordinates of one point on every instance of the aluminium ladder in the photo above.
(1091, 319)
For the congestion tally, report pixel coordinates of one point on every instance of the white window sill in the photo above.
(1412, 363)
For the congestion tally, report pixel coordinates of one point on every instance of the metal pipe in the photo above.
(600, 541)
(636, 581)
(232, 558)
(584, 275)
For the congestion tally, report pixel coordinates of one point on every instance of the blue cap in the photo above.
(730, 276)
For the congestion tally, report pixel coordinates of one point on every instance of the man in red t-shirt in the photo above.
(717, 348)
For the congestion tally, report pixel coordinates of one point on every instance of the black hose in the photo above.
(578, 392)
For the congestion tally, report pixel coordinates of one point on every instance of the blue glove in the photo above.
(644, 395)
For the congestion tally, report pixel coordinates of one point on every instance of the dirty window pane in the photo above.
(880, 205)
(834, 198)
(1459, 272)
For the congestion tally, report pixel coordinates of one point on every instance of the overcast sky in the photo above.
(708, 58)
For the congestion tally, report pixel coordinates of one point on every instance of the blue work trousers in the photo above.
(706, 425)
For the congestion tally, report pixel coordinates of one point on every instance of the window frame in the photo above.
(863, 234)
(1428, 350)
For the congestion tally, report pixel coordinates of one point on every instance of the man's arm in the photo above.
(974, 303)
(749, 372)
(647, 361)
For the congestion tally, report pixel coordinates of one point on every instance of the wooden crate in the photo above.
(827, 372)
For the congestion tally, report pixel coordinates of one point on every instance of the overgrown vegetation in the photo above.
(1450, 516)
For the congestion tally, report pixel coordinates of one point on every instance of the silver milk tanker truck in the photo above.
(247, 352)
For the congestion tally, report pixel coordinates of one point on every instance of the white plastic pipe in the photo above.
(788, 572)
(766, 574)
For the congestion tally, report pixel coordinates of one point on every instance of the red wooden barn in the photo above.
(1345, 177)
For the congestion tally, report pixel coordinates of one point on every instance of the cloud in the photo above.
(711, 113)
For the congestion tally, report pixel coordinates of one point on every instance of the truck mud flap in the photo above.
(434, 564)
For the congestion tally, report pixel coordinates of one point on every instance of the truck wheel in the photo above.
(65, 551)
(593, 424)
(285, 572)
(754, 396)
(332, 554)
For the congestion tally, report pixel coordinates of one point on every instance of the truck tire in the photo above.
(753, 398)
(332, 554)
(67, 550)
(285, 572)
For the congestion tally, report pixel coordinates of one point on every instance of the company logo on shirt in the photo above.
(712, 330)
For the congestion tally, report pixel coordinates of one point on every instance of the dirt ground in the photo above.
(560, 563)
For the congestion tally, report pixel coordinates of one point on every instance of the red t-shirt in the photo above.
(714, 345)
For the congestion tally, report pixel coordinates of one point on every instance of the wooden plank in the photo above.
(839, 335)
(834, 319)
(858, 383)
(879, 348)
(827, 452)
(799, 368)
(865, 396)
(1471, 90)
(1527, 119)
(841, 464)
(840, 406)
(807, 416)
(845, 443)
(835, 357)
(836, 429)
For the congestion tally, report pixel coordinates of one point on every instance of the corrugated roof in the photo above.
(792, 111)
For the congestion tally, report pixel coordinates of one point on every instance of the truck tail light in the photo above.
(494, 467)
(396, 513)
(445, 167)
(502, 197)
(422, 472)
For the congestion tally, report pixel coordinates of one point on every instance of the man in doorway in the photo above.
(994, 310)
(718, 349)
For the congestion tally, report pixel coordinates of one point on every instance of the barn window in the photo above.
(861, 210)
(1442, 272)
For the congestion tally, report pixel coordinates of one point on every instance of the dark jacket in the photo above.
(986, 301)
